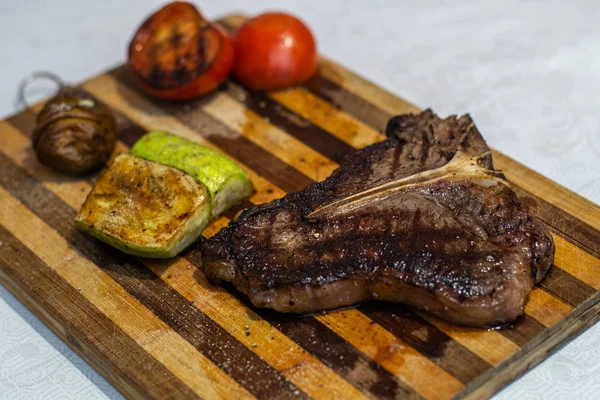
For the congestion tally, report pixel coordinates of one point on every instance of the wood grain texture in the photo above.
(159, 329)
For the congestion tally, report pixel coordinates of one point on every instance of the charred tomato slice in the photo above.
(177, 54)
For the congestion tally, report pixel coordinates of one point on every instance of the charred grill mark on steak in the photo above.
(420, 218)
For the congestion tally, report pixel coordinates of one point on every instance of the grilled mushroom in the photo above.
(75, 133)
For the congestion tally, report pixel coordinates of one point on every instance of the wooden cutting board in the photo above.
(158, 329)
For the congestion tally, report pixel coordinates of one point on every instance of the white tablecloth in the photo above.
(527, 71)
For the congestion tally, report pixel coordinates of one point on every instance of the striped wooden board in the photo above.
(158, 329)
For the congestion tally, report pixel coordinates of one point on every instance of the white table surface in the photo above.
(527, 71)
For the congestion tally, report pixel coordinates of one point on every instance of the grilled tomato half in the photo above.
(177, 54)
(274, 51)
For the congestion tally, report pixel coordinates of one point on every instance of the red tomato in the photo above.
(274, 51)
(177, 54)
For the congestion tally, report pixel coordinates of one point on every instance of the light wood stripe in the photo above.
(569, 289)
(215, 226)
(18, 148)
(545, 308)
(132, 317)
(404, 323)
(107, 89)
(291, 123)
(297, 366)
(321, 113)
(276, 141)
(491, 346)
(577, 262)
(548, 190)
(37, 107)
(392, 354)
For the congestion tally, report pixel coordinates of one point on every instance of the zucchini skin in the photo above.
(145, 208)
(227, 182)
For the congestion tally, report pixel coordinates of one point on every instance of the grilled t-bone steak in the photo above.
(421, 218)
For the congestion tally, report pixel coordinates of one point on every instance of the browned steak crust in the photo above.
(421, 218)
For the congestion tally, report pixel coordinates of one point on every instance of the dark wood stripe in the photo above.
(427, 340)
(128, 131)
(566, 287)
(24, 121)
(295, 125)
(233, 211)
(326, 346)
(349, 102)
(562, 223)
(88, 331)
(228, 140)
(523, 330)
(203, 333)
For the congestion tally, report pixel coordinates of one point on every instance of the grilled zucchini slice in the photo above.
(227, 182)
(145, 208)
